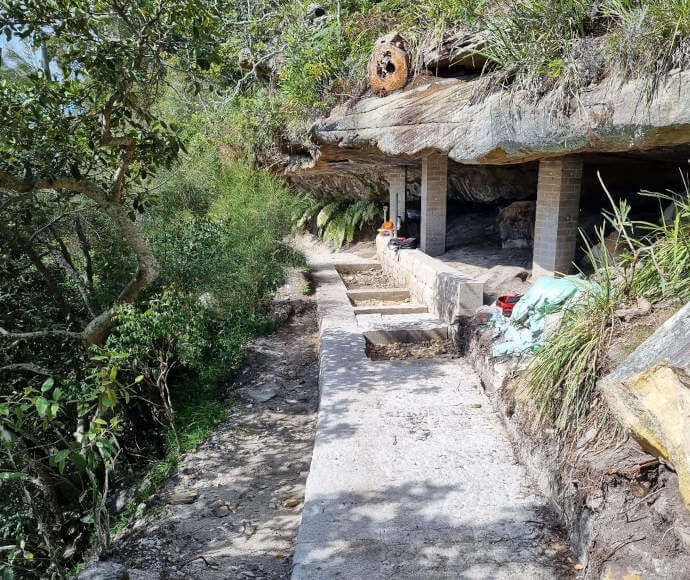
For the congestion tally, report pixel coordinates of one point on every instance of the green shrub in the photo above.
(255, 125)
(314, 59)
(218, 231)
(60, 442)
(158, 337)
(221, 265)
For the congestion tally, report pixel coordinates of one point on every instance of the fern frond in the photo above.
(336, 230)
(325, 215)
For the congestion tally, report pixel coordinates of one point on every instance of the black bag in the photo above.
(403, 243)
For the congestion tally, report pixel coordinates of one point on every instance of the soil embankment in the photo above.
(620, 506)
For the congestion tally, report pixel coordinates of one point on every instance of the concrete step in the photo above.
(389, 329)
(346, 268)
(383, 294)
(395, 309)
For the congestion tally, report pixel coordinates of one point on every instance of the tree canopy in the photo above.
(90, 134)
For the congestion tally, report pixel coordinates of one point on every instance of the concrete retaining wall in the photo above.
(448, 294)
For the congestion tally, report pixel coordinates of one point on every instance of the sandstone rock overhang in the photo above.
(503, 127)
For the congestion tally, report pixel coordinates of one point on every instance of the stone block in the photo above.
(654, 406)
(446, 292)
(649, 393)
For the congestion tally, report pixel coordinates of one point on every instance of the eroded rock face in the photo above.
(650, 395)
(477, 184)
(490, 184)
(516, 224)
(495, 139)
(508, 127)
(353, 186)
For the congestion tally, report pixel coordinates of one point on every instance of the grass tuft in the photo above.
(561, 378)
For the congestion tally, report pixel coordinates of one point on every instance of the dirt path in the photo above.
(245, 484)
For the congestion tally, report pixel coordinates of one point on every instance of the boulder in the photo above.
(654, 406)
(457, 50)
(103, 571)
(516, 224)
(184, 496)
(670, 343)
(502, 280)
(649, 393)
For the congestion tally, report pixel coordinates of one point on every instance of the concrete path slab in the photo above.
(413, 475)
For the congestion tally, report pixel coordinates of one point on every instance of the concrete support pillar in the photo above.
(434, 199)
(556, 222)
(396, 190)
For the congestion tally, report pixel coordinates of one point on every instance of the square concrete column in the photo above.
(396, 191)
(556, 222)
(434, 199)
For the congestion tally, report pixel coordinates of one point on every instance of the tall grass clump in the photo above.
(649, 37)
(562, 376)
(665, 252)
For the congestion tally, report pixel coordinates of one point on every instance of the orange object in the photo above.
(387, 226)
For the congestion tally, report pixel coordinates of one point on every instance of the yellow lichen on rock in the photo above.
(654, 406)
(615, 575)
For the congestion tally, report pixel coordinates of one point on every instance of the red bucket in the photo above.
(508, 302)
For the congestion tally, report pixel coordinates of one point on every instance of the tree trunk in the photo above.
(148, 268)
(147, 271)
(86, 251)
(61, 256)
